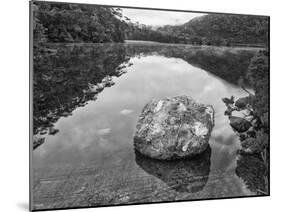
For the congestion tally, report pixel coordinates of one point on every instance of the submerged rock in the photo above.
(239, 124)
(182, 175)
(173, 128)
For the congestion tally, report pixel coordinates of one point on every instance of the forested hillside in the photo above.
(134, 31)
(212, 29)
(57, 22)
(218, 29)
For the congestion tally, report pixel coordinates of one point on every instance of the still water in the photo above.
(91, 160)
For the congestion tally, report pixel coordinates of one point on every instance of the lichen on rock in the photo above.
(173, 128)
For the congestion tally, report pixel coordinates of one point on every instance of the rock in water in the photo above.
(174, 128)
(242, 102)
(239, 124)
(228, 100)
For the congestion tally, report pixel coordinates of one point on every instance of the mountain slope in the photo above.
(222, 29)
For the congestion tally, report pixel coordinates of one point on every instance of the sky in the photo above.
(158, 17)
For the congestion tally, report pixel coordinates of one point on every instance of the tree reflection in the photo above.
(188, 175)
(65, 79)
(227, 63)
(68, 76)
(252, 170)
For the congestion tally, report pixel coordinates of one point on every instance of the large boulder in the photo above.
(174, 128)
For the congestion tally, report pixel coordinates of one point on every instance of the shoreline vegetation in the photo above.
(77, 23)
(253, 127)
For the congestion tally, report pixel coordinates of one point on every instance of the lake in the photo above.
(88, 157)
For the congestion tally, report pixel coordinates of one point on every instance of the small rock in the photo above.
(65, 114)
(99, 86)
(242, 102)
(53, 131)
(239, 124)
(228, 100)
(107, 81)
(92, 89)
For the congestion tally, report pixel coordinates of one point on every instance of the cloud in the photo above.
(159, 17)
(104, 131)
(126, 112)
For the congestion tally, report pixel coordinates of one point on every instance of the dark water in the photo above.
(91, 161)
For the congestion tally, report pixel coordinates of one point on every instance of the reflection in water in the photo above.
(71, 78)
(62, 82)
(189, 175)
(91, 137)
(74, 75)
(251, 169)
(228, 63)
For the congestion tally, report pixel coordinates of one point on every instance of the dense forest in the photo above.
(220, 29)
(56, 22)
(211, 29)
(258, 75)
